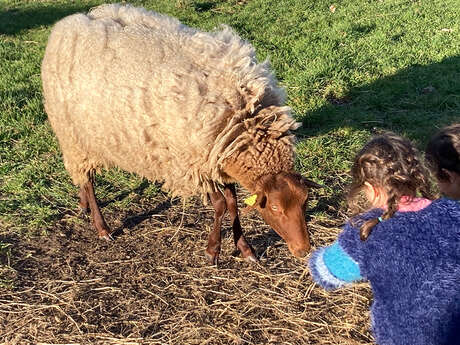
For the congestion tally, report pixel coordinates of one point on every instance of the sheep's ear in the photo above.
(256, 199)
(251, 201)
(296, 125)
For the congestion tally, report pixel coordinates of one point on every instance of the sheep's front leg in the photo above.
(213, 249)
(240, 242)
(84, 203)
(87, 198)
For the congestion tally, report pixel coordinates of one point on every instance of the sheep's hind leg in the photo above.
(240, 242)
(214, 240)
(87, 198)
(84, 203)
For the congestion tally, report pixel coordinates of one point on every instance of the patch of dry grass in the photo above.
(152, 286)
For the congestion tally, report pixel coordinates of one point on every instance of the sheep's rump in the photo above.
(132, 88)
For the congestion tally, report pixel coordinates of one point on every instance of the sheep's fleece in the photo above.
(128, 87)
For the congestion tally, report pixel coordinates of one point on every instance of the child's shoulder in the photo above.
(419, 213)
(447, 202)
(448, 210)
(445, 208)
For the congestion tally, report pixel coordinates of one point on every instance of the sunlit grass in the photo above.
(366, 66)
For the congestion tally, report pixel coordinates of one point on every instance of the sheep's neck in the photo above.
(248, 170)
(238, 173)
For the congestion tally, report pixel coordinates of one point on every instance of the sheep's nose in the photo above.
(300, 253)
(299, 249)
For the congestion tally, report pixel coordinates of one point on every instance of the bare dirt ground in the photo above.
(152, 285)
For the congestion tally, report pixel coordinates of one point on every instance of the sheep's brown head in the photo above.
(281, 199)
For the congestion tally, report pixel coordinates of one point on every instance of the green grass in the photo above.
(363, 68)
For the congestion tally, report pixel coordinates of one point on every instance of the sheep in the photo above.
(135, 89)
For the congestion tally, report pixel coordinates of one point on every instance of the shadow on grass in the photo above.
(415, 102)
(130, 222)
(204, 6)
(138, 190)
(15, 20)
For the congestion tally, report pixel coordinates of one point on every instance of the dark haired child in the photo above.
(443, 156)
(407, 247)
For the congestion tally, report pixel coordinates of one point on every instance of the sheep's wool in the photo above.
(128, 87)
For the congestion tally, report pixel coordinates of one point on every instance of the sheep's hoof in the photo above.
(108, 237)
(251, 259)
(85, 211)
(212, 259)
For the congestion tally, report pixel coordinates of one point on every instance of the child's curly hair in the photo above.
(392, 163)
(443, 152)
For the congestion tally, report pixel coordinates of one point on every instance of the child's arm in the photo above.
(331, 267)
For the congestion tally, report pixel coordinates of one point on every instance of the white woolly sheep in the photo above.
(131, 88)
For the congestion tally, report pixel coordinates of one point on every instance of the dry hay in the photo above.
(152, 285)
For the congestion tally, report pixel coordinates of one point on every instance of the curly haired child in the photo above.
(407, 247)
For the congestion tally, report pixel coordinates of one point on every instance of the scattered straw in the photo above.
(153, 286)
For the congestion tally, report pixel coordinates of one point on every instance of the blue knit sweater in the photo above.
(412, 262)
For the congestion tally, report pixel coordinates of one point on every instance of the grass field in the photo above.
(369, 65)
(349, 71)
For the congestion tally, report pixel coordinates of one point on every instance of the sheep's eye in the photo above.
(274, 208)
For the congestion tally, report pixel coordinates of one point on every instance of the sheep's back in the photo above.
(141, 91)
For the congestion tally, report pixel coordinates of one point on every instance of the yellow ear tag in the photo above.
(251, 200)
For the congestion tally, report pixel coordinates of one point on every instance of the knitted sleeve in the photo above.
(331, 267)
(350, 241)
(346, 260)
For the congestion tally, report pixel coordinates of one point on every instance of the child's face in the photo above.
(450, 187)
